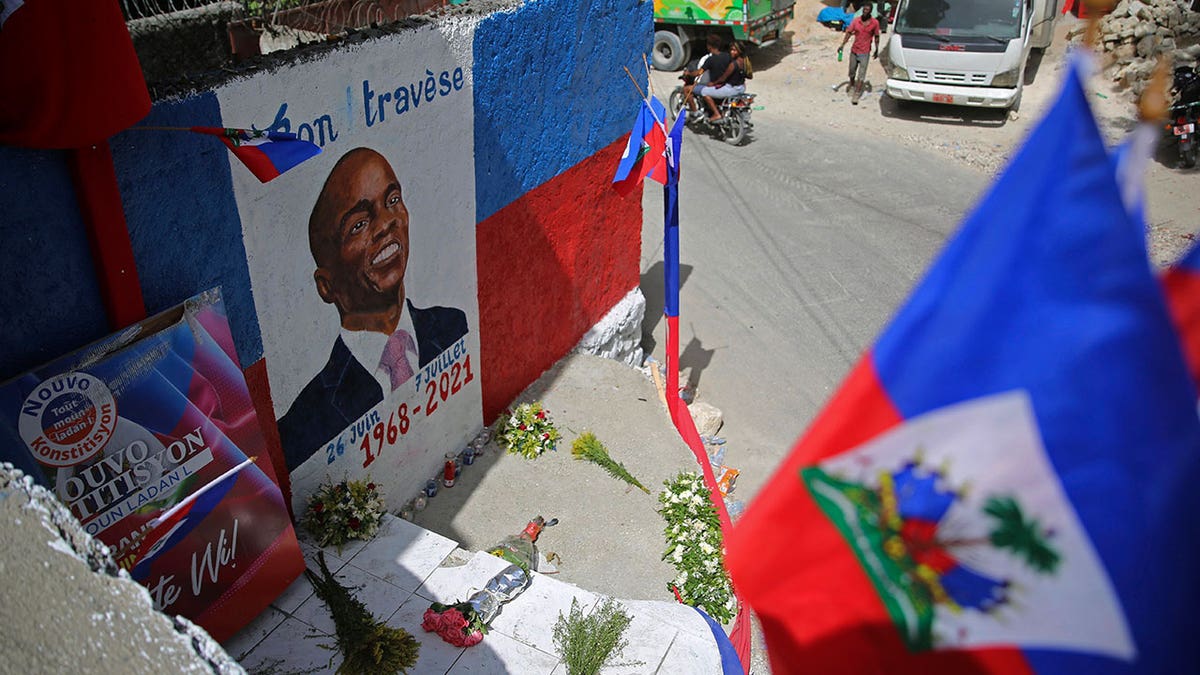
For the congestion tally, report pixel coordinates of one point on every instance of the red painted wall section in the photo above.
(260, 394)
(551, 265)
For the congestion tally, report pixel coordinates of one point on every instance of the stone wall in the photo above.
(1137, 32)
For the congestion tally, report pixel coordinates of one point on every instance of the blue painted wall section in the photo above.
(50, 303)
(183, 221)
(550, 90)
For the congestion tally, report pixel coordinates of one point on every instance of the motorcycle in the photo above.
(734, 125)
(1185, 113)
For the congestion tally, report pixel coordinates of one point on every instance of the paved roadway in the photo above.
(796, 248)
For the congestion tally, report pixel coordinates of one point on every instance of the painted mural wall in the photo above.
(456, 236)
(361, 260)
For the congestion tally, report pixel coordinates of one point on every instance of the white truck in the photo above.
(966, 52)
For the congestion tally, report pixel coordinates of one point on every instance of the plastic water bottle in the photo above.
(839, 55)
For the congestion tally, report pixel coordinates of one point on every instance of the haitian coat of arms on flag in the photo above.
(962, 526)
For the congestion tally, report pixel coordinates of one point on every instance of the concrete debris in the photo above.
(708, 418)
(618, 336)
(1137, 32)
(56, 575)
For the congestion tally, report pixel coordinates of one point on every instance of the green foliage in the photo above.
(588, 643)
(339, 512)
(694, 546)
(1019, 535)
(261, 7)
(369, 645)
(529, 431)
(588, 447)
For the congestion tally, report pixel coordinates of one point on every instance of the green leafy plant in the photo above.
(529, 431)
(368, 645)
(339, 512)
(588, 447)
(694, 546)
(586, 643)
(1024, 537)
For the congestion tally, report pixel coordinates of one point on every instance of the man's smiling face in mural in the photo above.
(358, 234)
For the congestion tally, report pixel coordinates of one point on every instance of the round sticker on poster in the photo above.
(67, 419)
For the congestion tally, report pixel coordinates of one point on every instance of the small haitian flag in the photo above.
(1006, 483)
(266, 153)
(645, 151)
(174, 525)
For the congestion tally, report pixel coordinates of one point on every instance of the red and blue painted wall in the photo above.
(554, 248)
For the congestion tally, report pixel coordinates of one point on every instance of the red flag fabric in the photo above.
(70, 76)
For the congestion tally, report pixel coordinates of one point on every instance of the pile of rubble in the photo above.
(1137, 32)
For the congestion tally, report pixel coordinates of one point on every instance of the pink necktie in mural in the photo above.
(395, 357)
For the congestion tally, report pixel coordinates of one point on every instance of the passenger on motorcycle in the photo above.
(702, 75)
(730, 82)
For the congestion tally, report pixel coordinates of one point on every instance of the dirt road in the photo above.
(800, 78)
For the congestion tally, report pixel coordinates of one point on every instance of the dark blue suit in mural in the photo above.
(345, 390)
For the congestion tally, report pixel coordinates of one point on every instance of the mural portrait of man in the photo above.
(358, 233)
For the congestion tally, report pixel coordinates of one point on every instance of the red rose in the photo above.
(431, 620)
(452, 619)
(522, 427)
(370, 486)
(354, 523)
(318, 507)
(472, 639)
(454, 637)
(546, 435)
(541, 414)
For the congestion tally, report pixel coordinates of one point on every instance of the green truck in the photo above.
(681, 26)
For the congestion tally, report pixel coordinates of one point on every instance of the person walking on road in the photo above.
(864, 28)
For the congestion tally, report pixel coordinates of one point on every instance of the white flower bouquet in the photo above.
(528, 431)
(339, 512)
(693, 535)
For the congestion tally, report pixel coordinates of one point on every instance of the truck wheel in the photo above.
(670, 52)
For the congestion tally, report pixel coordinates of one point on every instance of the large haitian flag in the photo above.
(125, 429)
(1181, 283)
(1006, 482)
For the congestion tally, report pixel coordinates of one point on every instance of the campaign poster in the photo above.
(124, 429)
(362, 259)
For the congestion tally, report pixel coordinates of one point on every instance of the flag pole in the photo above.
(636, 86)
(649, 81)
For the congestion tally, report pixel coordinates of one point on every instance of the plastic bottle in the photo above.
(521, 549)
(839, 55)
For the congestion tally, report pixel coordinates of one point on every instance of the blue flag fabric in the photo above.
(1047, 289)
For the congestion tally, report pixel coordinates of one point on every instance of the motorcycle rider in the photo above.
(715, 61)
(730, 83)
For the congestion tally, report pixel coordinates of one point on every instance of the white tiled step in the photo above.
(404, 568)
